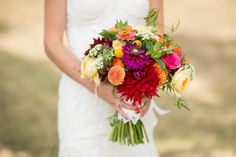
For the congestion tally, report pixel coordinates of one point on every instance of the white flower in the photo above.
(99, 62)
(96, 50)
(146, 32)
(182, 78)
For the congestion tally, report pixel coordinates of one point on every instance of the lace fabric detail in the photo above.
(82, 120)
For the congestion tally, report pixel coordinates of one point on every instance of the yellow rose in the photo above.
(182, 78)
(89, 69)
(117, 44)
(118, 52)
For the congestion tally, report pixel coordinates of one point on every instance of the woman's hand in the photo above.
(145, 107)
(105, 92)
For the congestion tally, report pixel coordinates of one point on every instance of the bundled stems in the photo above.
(129, 133)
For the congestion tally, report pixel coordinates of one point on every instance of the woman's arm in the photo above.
(158, 4)
(55, 21)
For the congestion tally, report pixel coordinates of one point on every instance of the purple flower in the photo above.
(135, 58)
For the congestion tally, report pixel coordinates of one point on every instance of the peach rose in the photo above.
(116, 75)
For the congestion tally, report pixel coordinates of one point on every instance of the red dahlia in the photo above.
(134, 89)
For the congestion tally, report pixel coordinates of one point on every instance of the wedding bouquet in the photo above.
(137, 61)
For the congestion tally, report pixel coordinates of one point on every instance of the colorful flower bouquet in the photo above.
(137, 61)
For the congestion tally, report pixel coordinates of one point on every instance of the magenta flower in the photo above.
(135, 58)
(172, 61)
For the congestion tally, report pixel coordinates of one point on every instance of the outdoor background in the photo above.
(28, 82)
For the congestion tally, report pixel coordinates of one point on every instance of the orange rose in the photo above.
(119, 62)
(116, 75)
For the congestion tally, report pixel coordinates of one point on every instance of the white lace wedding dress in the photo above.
(83, 122)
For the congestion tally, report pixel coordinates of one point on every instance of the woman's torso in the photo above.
(78, 108)
(86, 18)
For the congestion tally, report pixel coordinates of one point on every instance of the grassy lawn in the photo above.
(28, 83)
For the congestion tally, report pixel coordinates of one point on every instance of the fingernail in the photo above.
(137, 110)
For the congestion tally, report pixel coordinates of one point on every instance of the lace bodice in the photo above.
(86, 18)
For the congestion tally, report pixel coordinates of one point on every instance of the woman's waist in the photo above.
(70, 90)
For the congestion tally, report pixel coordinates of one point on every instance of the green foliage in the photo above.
(161, 63)
(167, 38)
(159, 49)
(180, 103)
(174, 27)
(108, 35)
(149, 46)
(152, 18)
(120, 25)
(167, 87)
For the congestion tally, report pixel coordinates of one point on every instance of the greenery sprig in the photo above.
(168, 88)
(152, 18)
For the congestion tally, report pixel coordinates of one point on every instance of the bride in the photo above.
(82, 117)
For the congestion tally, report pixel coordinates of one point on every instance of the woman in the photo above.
(82, 118)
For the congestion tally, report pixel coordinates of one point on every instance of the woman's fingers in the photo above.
(121, 112)
(128, 106)
(144, 99)
(144, 109)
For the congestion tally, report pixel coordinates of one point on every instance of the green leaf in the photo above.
(161, 63)
(167, 38)
(149, 46)
(173, 46)
(108, 35)
(175, 26)
(120, 25)
(180, 103)
(157, 46)
(167, 86)
(152, 18)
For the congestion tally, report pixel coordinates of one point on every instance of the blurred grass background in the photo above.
(28, 82)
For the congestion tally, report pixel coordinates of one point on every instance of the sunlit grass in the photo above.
(28, 105)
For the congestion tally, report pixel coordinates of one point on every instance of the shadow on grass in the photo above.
(28, 96)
